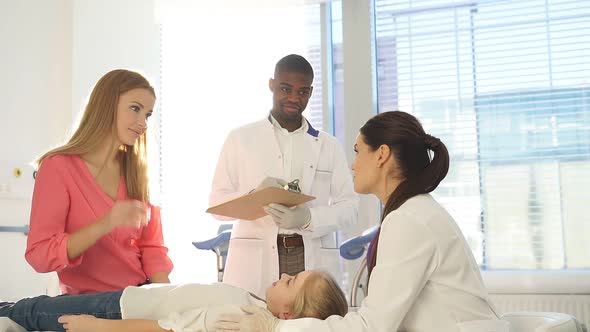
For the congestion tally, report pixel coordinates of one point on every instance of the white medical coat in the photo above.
(251, 153)
(425, 279)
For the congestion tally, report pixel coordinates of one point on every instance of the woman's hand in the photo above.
(128, 213)
(80, 323)
(255, 319)
(160, 278)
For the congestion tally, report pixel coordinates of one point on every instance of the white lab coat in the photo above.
(250, 154)
(425, 279)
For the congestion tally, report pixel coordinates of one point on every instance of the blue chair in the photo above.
(355, 248)
(219, 245)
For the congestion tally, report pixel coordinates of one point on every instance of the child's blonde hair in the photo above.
(320, 297)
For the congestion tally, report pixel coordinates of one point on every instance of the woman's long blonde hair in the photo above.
(100, 120)
(319, 297)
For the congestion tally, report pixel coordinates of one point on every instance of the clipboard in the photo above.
(250, 206)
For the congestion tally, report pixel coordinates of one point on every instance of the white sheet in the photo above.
(7, 325)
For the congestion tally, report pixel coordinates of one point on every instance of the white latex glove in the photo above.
(255, 319)
(271, 182)
(289, 218)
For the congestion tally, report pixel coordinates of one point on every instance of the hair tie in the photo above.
(431, 142)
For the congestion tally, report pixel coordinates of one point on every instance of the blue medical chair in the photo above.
(219, 245)
(355, 248)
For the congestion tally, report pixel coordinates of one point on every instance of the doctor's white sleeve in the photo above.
(343, 209)
(406, 258)
(225, 180)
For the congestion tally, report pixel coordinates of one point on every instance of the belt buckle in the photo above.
(285, 243)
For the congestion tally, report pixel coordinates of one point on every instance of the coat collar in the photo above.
(310, 130)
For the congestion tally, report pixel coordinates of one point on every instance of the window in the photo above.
(505, 85)
(217, 59)
(337, 69)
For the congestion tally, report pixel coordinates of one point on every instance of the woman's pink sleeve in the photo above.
(154, 255)
(47, 240)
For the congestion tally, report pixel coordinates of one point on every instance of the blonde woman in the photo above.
(91, 219)
(190, 307)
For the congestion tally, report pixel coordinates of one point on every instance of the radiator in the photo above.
(575, 305)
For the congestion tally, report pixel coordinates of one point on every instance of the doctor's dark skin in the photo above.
(290, 94)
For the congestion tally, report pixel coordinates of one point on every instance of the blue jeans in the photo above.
(41, 313)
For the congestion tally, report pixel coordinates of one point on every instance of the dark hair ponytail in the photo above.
(410, 146)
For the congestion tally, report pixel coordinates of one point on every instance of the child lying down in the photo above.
(160, 307)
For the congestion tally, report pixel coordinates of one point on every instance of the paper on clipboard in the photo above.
(250, 206)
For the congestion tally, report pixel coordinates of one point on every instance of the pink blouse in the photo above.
(66, 198)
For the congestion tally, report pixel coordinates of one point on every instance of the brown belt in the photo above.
(289, 241)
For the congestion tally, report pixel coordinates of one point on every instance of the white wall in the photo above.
(111, 34)
(52, 54)
(35, 63)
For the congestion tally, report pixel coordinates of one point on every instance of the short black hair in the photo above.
(294, 63)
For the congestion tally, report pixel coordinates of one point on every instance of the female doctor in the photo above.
(422, 274)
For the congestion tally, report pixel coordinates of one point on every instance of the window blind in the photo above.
(505, 84)
(313, 29)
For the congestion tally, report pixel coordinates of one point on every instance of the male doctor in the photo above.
(280, 148)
